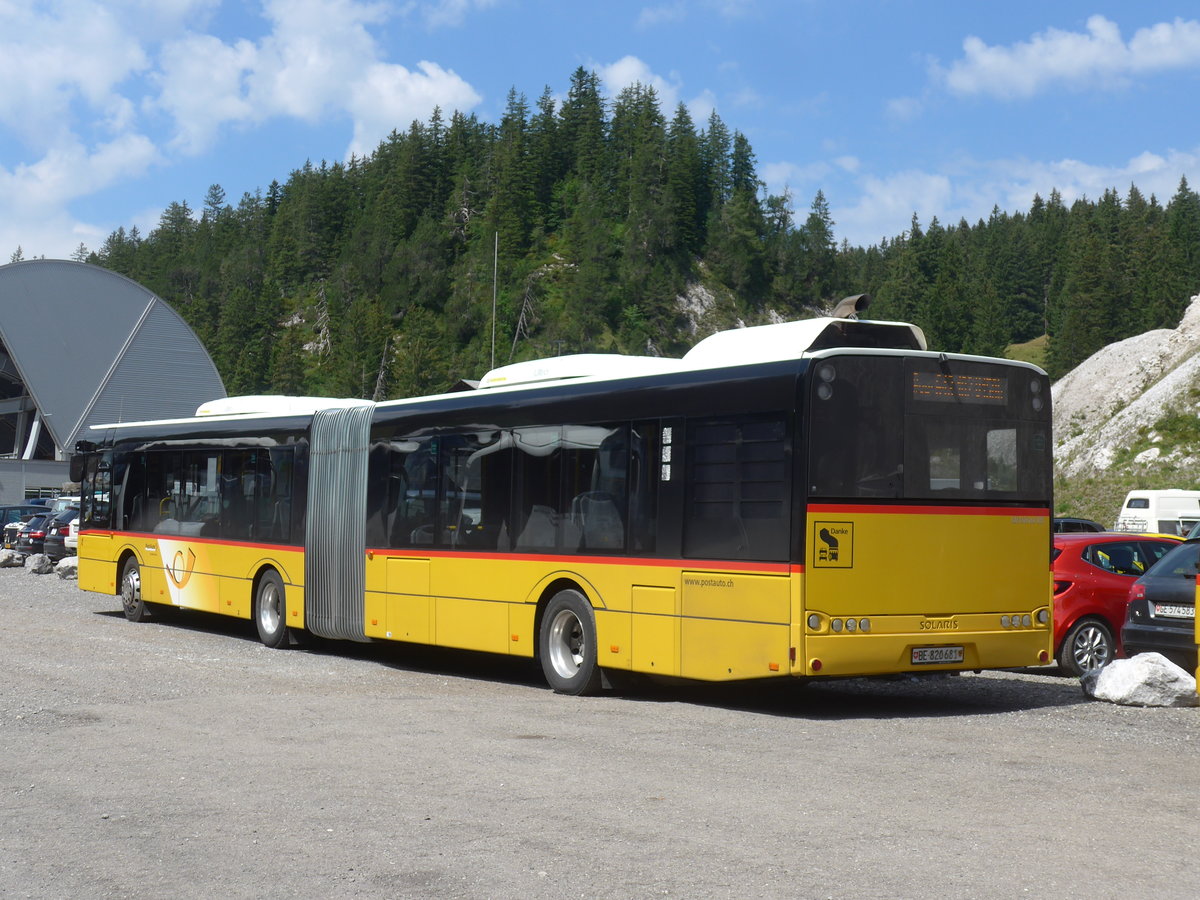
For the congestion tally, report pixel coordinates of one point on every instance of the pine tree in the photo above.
(685, 182)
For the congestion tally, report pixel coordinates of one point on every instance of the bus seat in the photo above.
(597, 514)
(539, 530)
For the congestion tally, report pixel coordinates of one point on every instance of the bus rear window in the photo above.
(923, 428)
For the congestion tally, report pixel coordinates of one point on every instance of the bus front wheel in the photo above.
(136, 609)
(567, 644)
(270, 610)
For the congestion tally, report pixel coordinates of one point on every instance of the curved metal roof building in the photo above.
(81, 345)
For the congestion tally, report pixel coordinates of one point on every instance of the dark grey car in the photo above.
(55, 545)
(1161, 616)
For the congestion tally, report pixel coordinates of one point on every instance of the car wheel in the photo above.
(1088, 646)
(136, 609)
(270, 610)
(567, 644)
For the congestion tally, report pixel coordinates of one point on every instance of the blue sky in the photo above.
(109, 111)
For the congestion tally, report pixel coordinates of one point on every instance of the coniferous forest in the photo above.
(601, 225)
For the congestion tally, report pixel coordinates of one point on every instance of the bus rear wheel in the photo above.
(136, 609)
(567, 644)
(270, 610)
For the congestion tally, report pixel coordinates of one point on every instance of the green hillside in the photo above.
(602, 224)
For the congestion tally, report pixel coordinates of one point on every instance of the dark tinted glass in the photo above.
(1179, 562)
(920, 428)
(738, 491)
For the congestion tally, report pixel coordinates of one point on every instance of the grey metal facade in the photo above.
(82, 346)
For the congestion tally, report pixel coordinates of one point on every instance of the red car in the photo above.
(1092, 577)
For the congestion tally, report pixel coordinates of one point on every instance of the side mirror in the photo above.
(78, 467)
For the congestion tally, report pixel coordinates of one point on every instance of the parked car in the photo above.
(1092, 577)
(12, 529)
(1068, 525)
(72, 539)
(1164, 511)
(32, 536)
(55, 545)
(1161, 615)
(61, 504)
(13, 512)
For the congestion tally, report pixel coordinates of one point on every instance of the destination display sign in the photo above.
(946, 388)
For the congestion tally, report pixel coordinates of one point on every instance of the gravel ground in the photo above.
(183, 759)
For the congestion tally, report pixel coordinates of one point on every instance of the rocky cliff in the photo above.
(1113, 401)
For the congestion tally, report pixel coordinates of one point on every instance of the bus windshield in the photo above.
(888, 427)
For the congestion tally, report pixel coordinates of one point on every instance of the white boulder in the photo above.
(11, 559)
(1149, 679)
(68, 567)
(39, 564)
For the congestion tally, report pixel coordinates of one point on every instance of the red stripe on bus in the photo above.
(871, 509)
(774, 568)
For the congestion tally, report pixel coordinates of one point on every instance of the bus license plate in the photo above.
(933, 655)
(1179, 611)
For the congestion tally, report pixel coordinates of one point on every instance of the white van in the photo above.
(1162, 512)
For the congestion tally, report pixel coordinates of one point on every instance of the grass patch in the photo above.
(1031, 351)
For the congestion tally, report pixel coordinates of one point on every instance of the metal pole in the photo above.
(495, 263)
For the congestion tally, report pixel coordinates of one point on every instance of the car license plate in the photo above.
(1175, 610)
(923, 656)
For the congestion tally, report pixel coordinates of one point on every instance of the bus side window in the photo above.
(402, 492)
(477, 475)
(643, 472)
(237, 493)
(156, 509)
(738, 489)
(598, 492)
(570, 487)
(96, 492)
(275, 494)
(536, 487)
(197, 506)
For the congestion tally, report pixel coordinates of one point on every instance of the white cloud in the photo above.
(49, 62)
(203, 86)
(1098, 56)
(319, 61)
(34, 197)
(700, 108)
(780, 176)
(630, 70)
(445, 13)
(903, 109)
(653, 16)
(97, 79)
(390, 97)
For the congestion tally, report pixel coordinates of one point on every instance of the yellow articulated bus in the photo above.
(819, 498)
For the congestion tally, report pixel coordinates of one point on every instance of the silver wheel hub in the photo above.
(270, 608)
(1090, 648)
(566, 645)
(131, 588)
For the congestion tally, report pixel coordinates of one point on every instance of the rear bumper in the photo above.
(1177, 642)
(875, 654)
